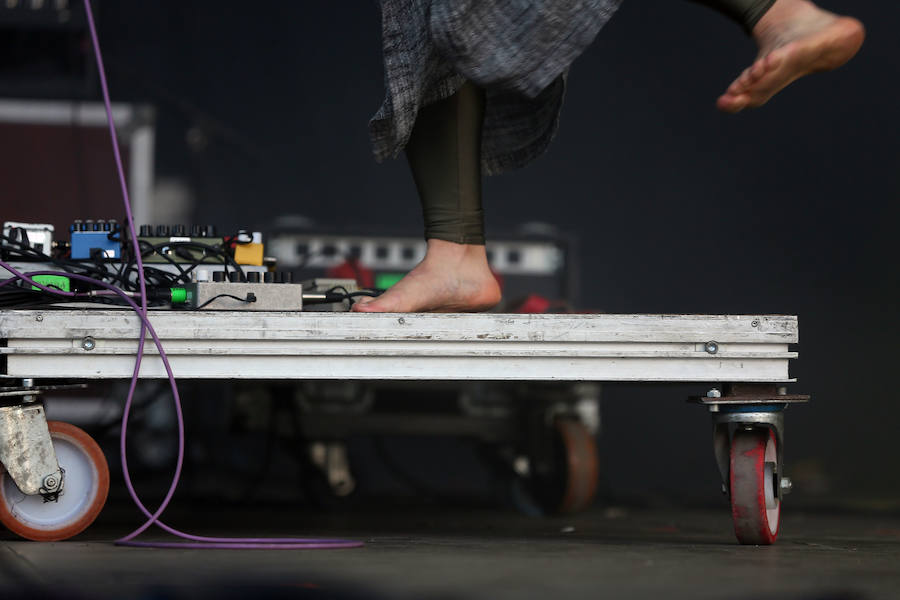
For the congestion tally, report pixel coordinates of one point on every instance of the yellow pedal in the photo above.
(249, 254)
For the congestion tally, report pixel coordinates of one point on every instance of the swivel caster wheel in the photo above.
(754, 483)
(564, 482)
(85, 486)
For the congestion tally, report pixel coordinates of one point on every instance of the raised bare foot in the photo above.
(451, 278)
(795, 38)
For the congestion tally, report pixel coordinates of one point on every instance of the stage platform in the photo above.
(101, 344)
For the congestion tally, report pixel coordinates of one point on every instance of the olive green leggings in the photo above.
(444, 154)
(444, 149)
(747, 13)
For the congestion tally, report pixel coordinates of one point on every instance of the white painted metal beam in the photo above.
(310, 345)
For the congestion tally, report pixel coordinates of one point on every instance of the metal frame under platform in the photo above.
(101, 343)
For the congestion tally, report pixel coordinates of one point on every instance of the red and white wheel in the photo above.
(565, 479)
(755, 503)
(85, 485)
(582, 470)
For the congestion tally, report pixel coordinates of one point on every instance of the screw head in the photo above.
(50, 482)
(88, 343)
(711, 347)
(754, 323)
(714, 393)
(39, 318)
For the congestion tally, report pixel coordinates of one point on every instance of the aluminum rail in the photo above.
(100, 344)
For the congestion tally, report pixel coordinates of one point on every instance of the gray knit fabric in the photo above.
(517, 50)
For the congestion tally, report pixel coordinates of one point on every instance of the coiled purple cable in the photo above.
(195, 541)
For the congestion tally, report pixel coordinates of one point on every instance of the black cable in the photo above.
(348, 295)
(251, 297)
(218, 251)
(156, 248)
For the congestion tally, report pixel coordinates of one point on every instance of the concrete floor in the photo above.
(432, 552)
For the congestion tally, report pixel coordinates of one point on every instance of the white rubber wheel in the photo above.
(85, 486)
(755, 507)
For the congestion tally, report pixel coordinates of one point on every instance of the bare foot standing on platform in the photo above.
(795, 38)
(451, 278)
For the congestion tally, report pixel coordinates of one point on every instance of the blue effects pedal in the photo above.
(91, 238)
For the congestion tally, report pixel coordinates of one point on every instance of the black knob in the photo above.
(178, 230)
(234, 277)
(287, 277)
(209, 231)
(268, 277)
(162, 231)
(196, 231)
(218, 276)
(87, 225)
(253, 277)
(146, 231)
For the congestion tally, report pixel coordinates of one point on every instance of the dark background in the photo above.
(788, 209)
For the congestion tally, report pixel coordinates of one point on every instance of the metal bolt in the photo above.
(714, 393)
(50, 482)
(88, 343)
(28, 382)
(786, 485)
(39, 318)
(711, 347)
(401, 320)
(755, 323)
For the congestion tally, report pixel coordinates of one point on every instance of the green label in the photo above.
(57, 282)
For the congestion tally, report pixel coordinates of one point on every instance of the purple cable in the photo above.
(199, 542)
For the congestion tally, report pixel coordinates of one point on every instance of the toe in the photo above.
(731, 103)
(362, 304)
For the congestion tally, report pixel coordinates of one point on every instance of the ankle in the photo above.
(784, 17)
(441, 250)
